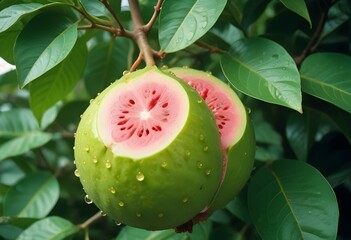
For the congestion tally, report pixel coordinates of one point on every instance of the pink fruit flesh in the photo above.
(144, 117)
(227, 115)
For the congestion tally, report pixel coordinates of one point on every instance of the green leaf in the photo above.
(328, 76)
(20, 132)
(54, 228)
(299, 7)
(239, 208)
(252, 11)
(292, 200)
(298, 136)
(106, 63)
(8, 81)
(44, 42)
(55, 84)
(8, 40)
(96, 8)
(263, 70)
(34, 196)
(9, 16)
(184, 22)
(200, 231)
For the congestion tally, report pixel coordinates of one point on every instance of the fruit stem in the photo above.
(90, 220)
(139, 33)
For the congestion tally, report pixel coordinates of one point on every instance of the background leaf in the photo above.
(55, 84)
(39, 193)
(263, 69)
(53, 227)
(20, 133)
(36, 55)
(184, 22)
(201, 231)
(106, 63)
(328, 76)
(292, 200)
(299, 7)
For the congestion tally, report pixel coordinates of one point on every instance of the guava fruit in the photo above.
(148, 152)
(234, 126)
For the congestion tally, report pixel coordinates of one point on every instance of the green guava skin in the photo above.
(240, 163)
(240, 154)
(163, 190)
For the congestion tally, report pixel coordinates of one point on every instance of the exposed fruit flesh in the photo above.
(228, 114)
(139, 119)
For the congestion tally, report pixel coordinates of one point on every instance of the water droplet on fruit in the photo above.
(81, 116)
(87, 200)
(98, 94)
(160, 215)
(74, 135)
(208, 172)
(187, 153)
(91, 101)
(108, 165)
(102, 213)
(199, 101)
(164, 164)
(199, 164)
(74, 162)
(87, 149)
(205, 148)
(140, 176)
(138, 214)
(95, 159)
(164, 67)
(113, 190)
(201, 137)
(185, 200)
(74, 147)
(76, 173)
(186, 67)
(209, 73)
(125, 72)
(121, 203)
(248, 110)
(118, 223)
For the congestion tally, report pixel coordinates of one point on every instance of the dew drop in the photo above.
(204, 23)
(189, 36)
(87, 200)
(121, 203)
(108, 165)
(102, 213)
(185, 200)
(208, 172)
(138, 214)
(76, 173)
(140, 176)
(164, 67)
(74, 135)
(95, 159)
(248, 110)
(205, 148)
(209, 73)
(199, 164)
(81, 116)
(113, 190)
(91, 101)
(87, 149)
(199, 101)
(201, 137)
(74, 147)
(187, 153)
(118, 223)
(160, 215)
(74, 162)
(185, 66)
(164, 164)
(125, 72)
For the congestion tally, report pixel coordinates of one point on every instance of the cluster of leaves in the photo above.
(275, 53)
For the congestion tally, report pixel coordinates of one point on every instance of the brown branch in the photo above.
(109, 8)
(315, 38)
(153, 18)
(139, 34)
(90, 220)
(210, 48)
(136, 63)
